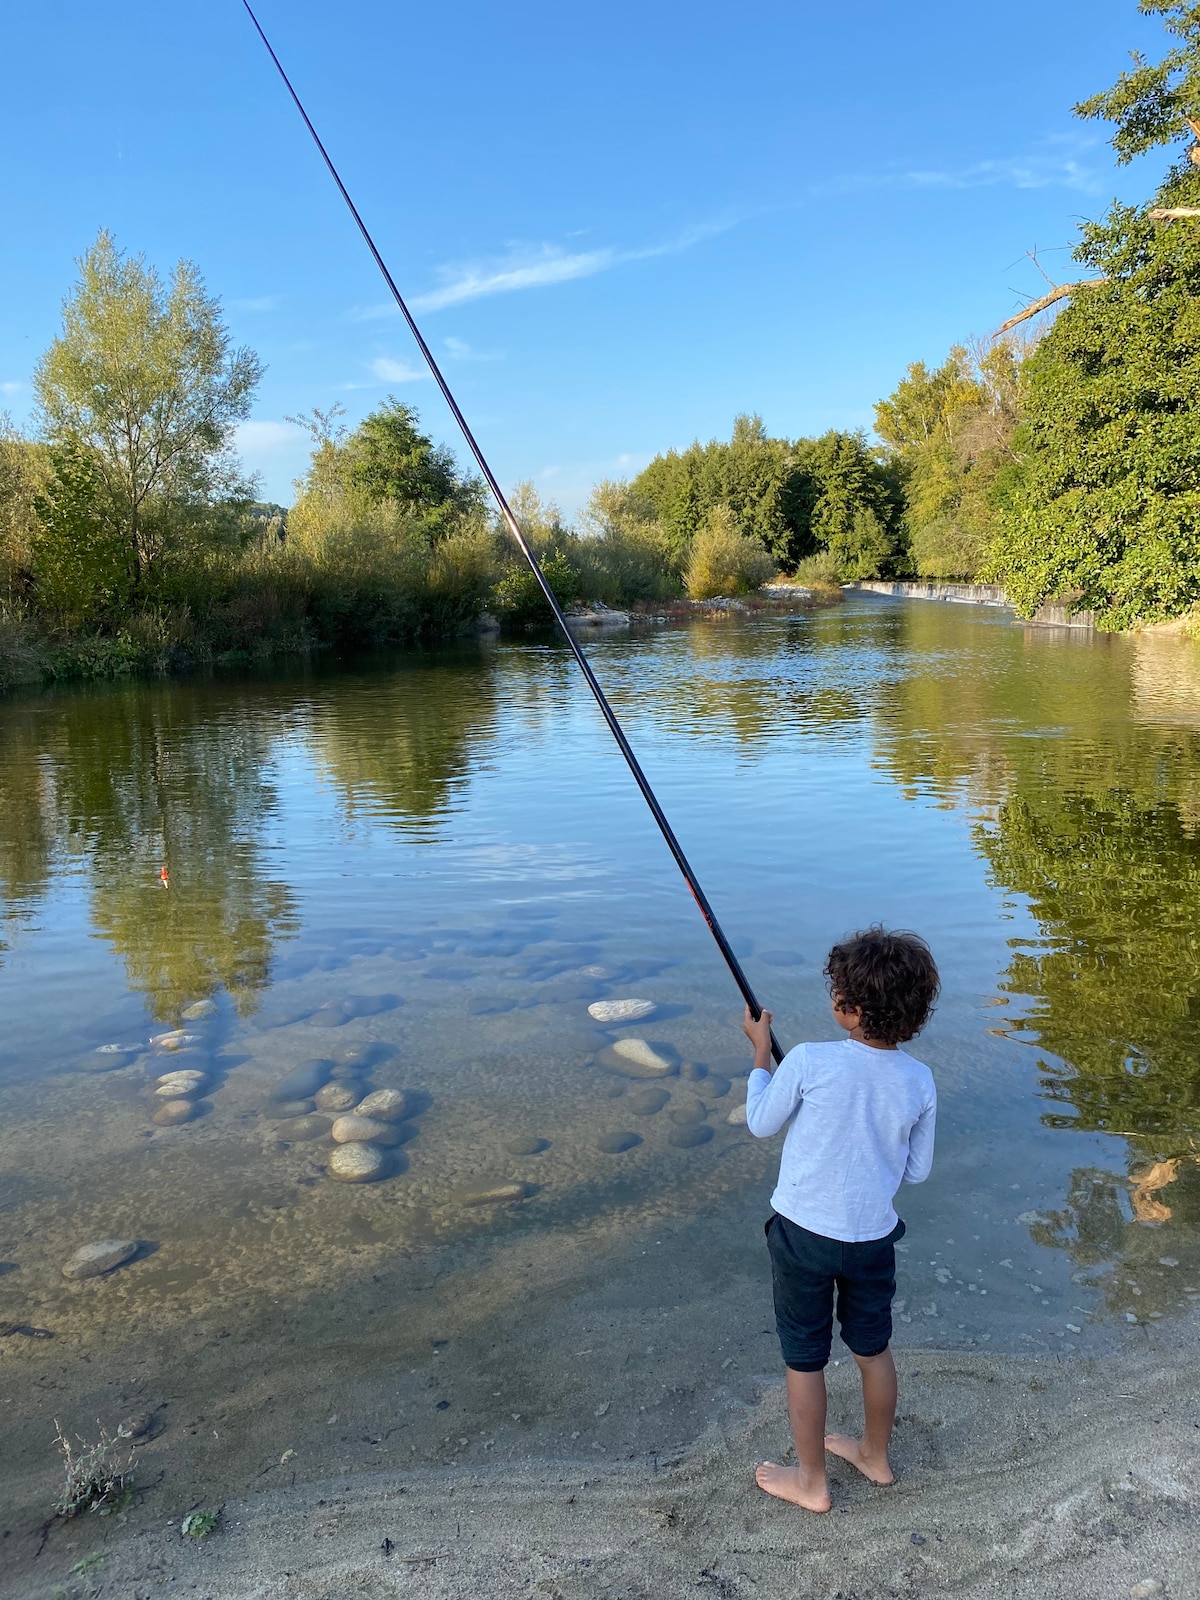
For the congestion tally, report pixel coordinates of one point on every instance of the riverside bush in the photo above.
(724, 560)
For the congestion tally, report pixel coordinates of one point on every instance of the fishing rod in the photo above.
(514, 527)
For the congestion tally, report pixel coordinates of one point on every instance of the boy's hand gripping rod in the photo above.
(514, 527)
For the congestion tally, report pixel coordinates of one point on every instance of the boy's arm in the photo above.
(920, 1144)
(771, 1099)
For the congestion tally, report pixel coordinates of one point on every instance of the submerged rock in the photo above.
(289, 1108)
(94, 1260)
(385, 1105)
(172, 1113)
(532, 1146)
(615, 1144)
(737, 1117)
(646, 1102)
(119, 1049)
(337, 1097)
(693, 1070)
(716, 1088)
(361, 1130)
(174, 1040)
(187, 1090)
(689, 1111)
(182, 1075)
(199, 1010)
(356, 1163)
(621, 1010)
(635, 1058)
(690, 1135)
(335, 1012)
(298, 1130)
(496, 1195)
(302, 1082)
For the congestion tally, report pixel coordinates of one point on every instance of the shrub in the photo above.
(822, 573)
(724, 560)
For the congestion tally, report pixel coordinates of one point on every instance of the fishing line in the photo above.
(514, 527)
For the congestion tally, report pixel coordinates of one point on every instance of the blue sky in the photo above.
(620, 225)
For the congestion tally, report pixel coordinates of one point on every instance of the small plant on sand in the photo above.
(97, 1475)
(199, 1524)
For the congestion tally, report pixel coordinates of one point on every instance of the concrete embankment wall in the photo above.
(980, 594)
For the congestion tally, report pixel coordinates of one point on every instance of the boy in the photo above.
(862, 1114)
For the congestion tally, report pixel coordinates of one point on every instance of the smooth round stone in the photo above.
(297, 1130)
(171, 1089)
(496, 1195)
(612, 1091)
(336, 1012)
(172, 1113)
(615, 1144)
(693, 1071)
(485, 1005)
(646, 1102)
(621, 1010)
(337, 1097)
(182, 1075)
(360, 1130)
(688, 1111)
(527, 1147)
(716, 1087)
(302, 1082)
(782, 958)
(119, 1049)
(359, 1057)
(356, 1163)
(174, 1040)
(692, 1134)
(737, 1117)
(94, 1260)
(637, 1059)
(290, 1108)
(199, 1010)
(385, 1105)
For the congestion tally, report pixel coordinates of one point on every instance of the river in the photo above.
(423, 870)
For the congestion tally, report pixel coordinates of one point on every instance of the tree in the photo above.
(24, 467)
(143, 381)
(725, 560)
(838, 499)
(389, 458)
(1155, 104)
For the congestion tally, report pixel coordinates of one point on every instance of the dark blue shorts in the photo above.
(806, 1269)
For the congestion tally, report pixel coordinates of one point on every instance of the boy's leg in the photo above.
(805, 1483)
(870, 1453)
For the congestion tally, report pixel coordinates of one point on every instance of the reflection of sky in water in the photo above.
(1024, 798)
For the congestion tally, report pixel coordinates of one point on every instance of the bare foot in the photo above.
(875, 1468)
(786, 1483)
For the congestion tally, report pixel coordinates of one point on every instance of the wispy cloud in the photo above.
(388, 370)
(264, 302)
(268, 438)
(12, 386)
(1056, 162)
(535, 266)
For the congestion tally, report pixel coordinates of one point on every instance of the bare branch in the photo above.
(1172, 213)
(1060, 292)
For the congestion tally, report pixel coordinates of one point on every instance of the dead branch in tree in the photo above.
(1059, 292)
(1172, 213)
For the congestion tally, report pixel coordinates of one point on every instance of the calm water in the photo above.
(429, 867)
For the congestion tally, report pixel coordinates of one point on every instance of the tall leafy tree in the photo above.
(1157, 102)
(388, 457)
(144, 383)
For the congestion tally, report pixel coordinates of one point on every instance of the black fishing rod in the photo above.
(514, 527)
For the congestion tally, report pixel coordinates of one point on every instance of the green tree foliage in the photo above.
(1151, 105)
(726, 561)
(840, 500)
(24, 469)
(389, 458)
(143, 382)
(949, 433)
(1106, 507)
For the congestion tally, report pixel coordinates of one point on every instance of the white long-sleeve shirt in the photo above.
(861, 1125)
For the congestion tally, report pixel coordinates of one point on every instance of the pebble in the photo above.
(527, 1147)
(621, 1010)
(646, 1102)
(297, 1130)
(616, 1144)
(1147, 1589)
(687, 1137)
(181, 1075)
(356, 1163)
(337, 1097)
(637, 1059)
(1167, 1261)
(175, 1040)
(494, 1196)
(199, 1010)
(385, 1105)
(303, 1081)
(172, 1113)
(93, 1260)
(290, 1108)
(178, 1089)
(138, 1426)
(737, 1117)
(360, 1130)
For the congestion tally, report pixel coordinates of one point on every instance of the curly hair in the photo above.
(890, 978)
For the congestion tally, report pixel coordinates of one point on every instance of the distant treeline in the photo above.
(1063, 466)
